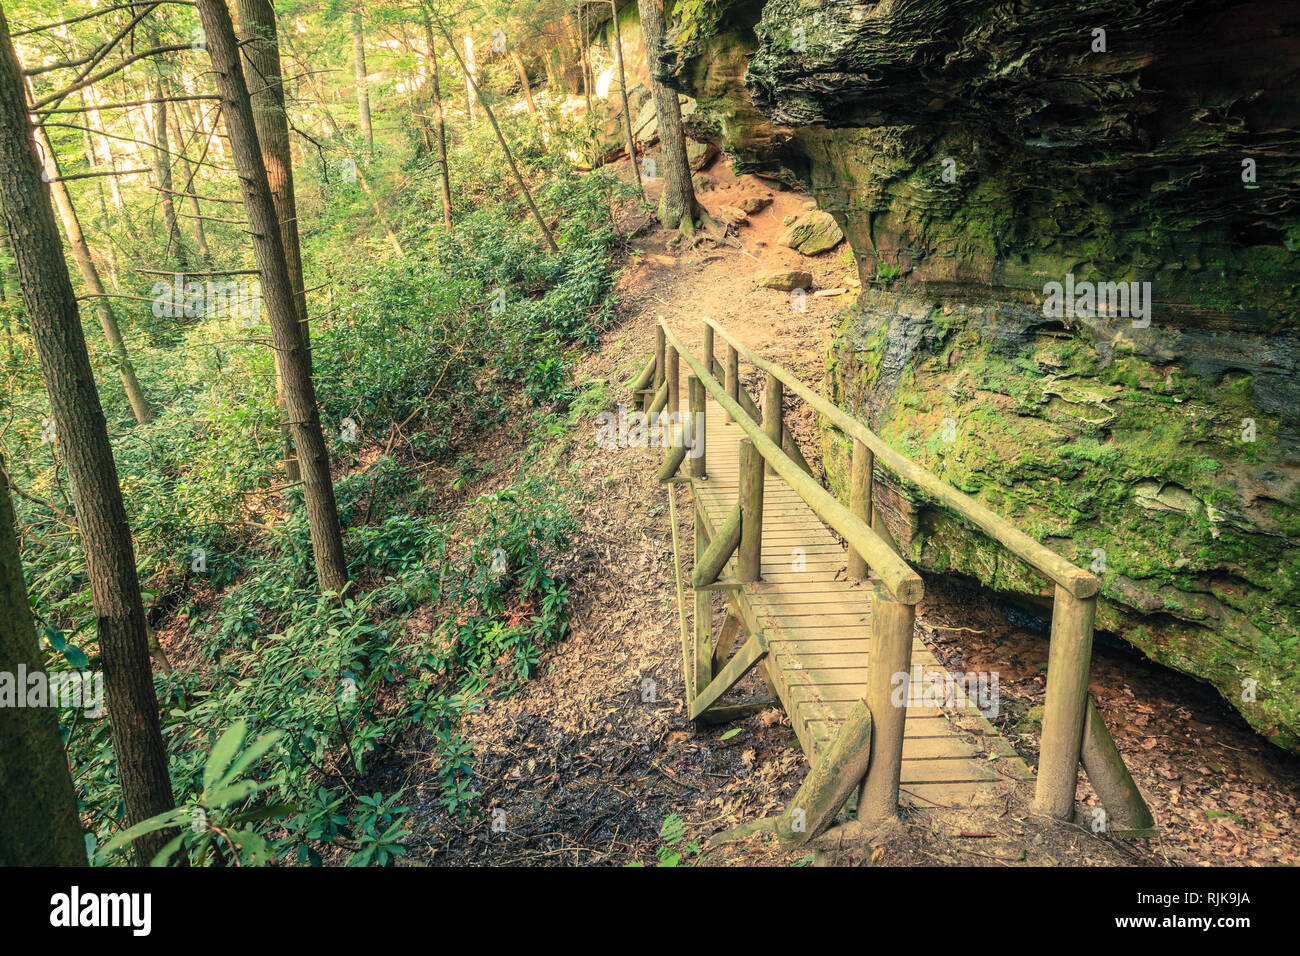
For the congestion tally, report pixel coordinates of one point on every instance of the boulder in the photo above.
(731, 215)
(812, 233)
(645, 127)
(752, 204)
(699, 155)
(637, 97)
(785, 280)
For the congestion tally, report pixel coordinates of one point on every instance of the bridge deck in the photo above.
(817, 626)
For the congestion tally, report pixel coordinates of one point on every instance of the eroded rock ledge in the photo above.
(975, 151)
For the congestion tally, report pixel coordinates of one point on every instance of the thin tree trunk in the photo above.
(524, 82)
(467, 64)
(415, 103)
(359, 69)
(90, 276)
(523, 186)
(163, 171)
(439, 120)
(38, 807)
(361, 177)
(277, 292)
(266, 93)
(211, 141)
(79, 421)
(187, 174)
(583, 54)
(627, 111)
(678, 208)
(104, 144)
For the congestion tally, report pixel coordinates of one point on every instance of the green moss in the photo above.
(1052, 439)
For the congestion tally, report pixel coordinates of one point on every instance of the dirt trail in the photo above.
(584, 762)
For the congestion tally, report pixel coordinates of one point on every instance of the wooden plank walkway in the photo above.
(817, 625)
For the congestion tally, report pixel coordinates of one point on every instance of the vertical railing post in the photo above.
(772, 415)
(733, 375)
(696, 409)
(708, 348)
(860, 501)
(674, 383)
(749, 556)
(887, 697)
(661, 345)
(703, 651)
(1069, 657)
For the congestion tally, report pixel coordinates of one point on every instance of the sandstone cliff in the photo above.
(974, 153)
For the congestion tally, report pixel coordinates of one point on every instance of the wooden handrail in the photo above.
(1080, 583)
(902, 582)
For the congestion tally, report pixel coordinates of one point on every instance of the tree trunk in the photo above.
(678, 208)
(270, 116)
(333, 125)
(79, 420)
(359, 68)
(187, 175)
(38, 807)
(524, 82)
(277, 292)
(439, 120)
(505, 148)
(583, 55)
(90, 276)
(163, 172)
(467, 64)
(627, 111)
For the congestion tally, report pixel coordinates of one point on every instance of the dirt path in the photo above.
(584, 763)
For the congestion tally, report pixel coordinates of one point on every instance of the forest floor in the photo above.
(582, 766)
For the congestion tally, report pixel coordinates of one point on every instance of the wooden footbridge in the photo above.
(832, 633)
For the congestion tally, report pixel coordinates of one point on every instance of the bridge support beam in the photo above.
(1127, 812)
(834, 775)
(890, 657)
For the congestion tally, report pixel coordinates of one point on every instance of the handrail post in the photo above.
(772, 415)
(672, 371)
(733, 375)
(696, 409)
(708, 347)
(887, 695)
(703, 650)
(661, 345)
(860, 500)
(1069, 657)
(749, 556)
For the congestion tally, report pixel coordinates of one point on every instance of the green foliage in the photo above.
(676, 849)
(289, 707)
(217, 820)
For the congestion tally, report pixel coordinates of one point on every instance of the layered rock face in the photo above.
(1078, 229)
